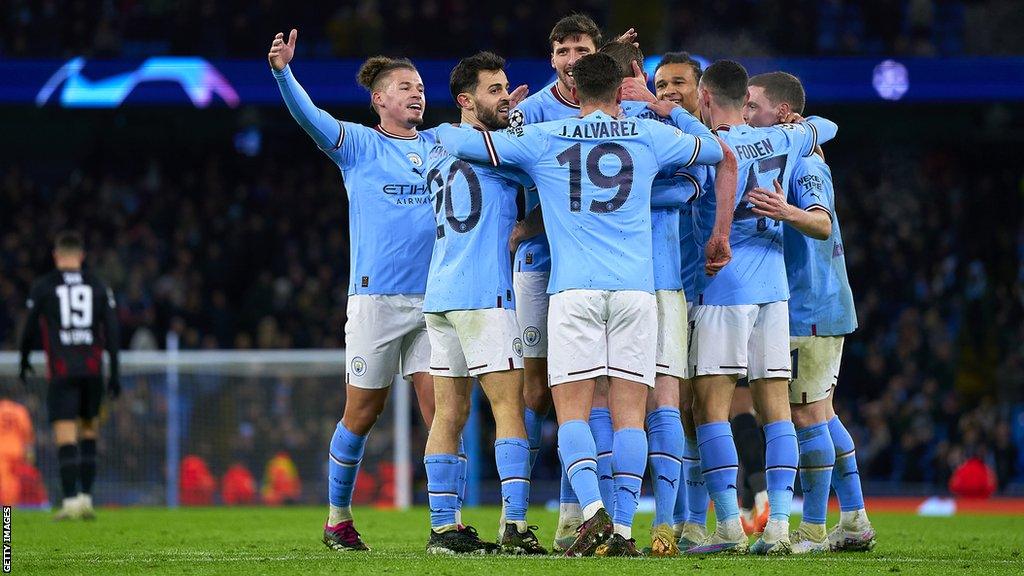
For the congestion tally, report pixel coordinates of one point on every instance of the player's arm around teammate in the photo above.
(471, 321)
(603, 309)
(821, 313)
(742, 326)
(391, 238)
(676, 78)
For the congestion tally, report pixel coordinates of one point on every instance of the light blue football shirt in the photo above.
(757, 272)
(691, 254)
(671, 192)
(391, 225)
(594, 177)
(474, 211)
(820, 301)
(534, 254)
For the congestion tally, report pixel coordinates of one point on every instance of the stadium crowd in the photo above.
(231, 252)
(137, 28)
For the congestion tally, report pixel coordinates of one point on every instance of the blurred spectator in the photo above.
(32, 491)
(973, 479)
(238, 487)
(281, 482)
(195, 482)
(16, 445)
(231, 29)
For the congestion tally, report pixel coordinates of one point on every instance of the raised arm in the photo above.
(674, 191)
(710, 144)
(689, 124)
(325, 129)
(824, 130)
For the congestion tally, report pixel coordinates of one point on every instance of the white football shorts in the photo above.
(385, 335)
(750, 340)
(531, 290)
(467, 343)
(816, 361)
(602, 333)
(671, 358)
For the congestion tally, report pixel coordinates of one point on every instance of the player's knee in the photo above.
(360, 418)
(451, 414)
(665, 393)
(805, 415)
(64, 432)
(507, 409)
(709, 411)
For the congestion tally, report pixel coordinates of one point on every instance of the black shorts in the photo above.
(75, 397)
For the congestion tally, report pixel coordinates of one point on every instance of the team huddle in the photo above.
(674, 243)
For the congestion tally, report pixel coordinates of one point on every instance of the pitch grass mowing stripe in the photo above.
(252, 541)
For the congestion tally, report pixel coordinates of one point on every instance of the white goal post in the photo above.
(179, 387)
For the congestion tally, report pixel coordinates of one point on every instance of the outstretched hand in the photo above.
(281, 51)
(771, 203)
(518, 95)
(629, 36)
(635, 86)
(790, 118)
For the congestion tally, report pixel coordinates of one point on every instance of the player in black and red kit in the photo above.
(75, 316)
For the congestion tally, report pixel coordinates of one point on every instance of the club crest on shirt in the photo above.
(415, 159)
(531, 336)
(358, 366)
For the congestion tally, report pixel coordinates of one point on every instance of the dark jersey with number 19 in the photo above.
(74, 314)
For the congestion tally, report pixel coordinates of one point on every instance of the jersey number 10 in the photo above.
(75, 305)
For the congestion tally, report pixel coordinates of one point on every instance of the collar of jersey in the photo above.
(562, 99)
(381, 129)
(727, 127)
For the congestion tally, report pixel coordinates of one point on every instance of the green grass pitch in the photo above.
(252, 541)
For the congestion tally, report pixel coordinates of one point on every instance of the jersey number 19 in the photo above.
(75, 305)
(623, 179)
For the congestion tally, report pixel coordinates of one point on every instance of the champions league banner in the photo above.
(201, 83)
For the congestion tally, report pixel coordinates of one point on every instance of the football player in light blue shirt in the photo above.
(672, 194)
(741, 321)
(392, 232)
(594, 177)
(471, 321)
(571, 38)
(821, 313)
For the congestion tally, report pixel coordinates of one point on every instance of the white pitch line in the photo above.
(203, 557)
